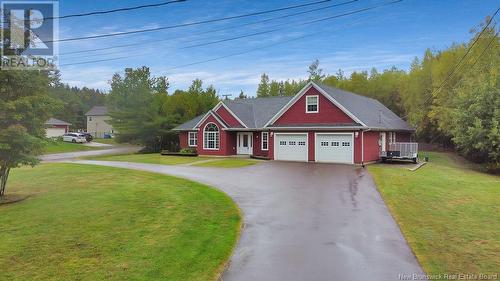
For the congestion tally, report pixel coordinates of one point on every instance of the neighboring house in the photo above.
(320, 123)
(56, 128)
(96, 122)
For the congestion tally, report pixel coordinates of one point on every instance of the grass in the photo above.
(99, 223)
(106, 141)
(61, 147)
(227, 163)
(156, 158)
(448, 213)
(152, 158)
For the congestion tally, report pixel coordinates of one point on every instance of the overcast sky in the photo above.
(383, 37)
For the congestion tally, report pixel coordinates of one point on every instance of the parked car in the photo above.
(88, 137)
(74, 138)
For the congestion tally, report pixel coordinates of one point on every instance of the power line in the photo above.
(458, 65)
(248, 35)
(187, 24)
(164, 3)
(212, 31)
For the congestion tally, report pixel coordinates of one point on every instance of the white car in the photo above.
(74, 138)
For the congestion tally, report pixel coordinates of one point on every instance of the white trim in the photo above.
(217, 141)
(316, 151)
(189, 138)
(250, 143)
(307, 144)
(262, 141)
(205, 118)
(340, 128)
(301, 93)
(221, 103)
(317, 104)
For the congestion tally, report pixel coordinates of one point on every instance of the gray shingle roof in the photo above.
(98, 110)
(189, 125)
(370, 111)
(256, 112)
(54, 121)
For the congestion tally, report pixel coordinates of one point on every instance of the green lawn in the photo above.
(61, 147)
(152, 158)
(156, 158)
(227, 163)
(449, 213)
(99, 223)
(106, 141)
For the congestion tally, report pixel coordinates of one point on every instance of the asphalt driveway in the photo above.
(305, 221)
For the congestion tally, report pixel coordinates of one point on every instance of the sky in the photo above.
(387, 36)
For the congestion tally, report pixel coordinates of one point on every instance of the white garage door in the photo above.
(334, 148)
(290, 147)
(54, 132)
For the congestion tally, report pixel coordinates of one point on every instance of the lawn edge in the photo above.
(395, 218)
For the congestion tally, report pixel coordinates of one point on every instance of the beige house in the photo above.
(96, 122)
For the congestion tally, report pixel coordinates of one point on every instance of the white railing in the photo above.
(405, 149)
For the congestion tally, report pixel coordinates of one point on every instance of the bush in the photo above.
(188, 151)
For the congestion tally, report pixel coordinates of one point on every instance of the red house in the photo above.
(318, 124)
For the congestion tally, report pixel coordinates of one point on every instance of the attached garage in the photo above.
(334, 148)
(291, 147)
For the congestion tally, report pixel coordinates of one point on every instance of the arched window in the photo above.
(211, 137)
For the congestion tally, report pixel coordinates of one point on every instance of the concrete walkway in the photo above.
(305, 221)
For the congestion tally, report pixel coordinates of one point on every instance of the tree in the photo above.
(242, 95)
(263, 89)
(136, 105)
(25, 106)
(315, 73)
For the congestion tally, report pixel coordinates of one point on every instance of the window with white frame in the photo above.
(265, 141)
(312, 104)
(193, 139)
(211, 137)
(392, 137)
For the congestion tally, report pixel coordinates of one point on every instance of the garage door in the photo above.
(290, 147)
(334, 148)
(54, 132)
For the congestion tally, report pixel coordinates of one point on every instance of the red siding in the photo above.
(257, 144)
(311, 142)
(227, 141)
(183, 140)
(372, 149)
(228, 117)
(403, 137)
(328, 112)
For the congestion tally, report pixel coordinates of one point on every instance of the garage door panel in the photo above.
(334, 148)
(291, 147)
(54, 132)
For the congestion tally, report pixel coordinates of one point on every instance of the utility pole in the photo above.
(226, 96)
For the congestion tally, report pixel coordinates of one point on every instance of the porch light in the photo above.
(356, 134)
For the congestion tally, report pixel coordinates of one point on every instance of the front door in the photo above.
(245, 143)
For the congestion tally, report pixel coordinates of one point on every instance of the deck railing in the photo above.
(405, 149)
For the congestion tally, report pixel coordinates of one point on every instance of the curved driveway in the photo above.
(305, 221)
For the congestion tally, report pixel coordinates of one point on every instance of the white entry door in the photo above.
(290, 147)
(245, 143)
(382, 142)
(335, 148)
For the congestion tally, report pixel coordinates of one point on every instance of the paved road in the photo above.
(305, 221)
(77, 154)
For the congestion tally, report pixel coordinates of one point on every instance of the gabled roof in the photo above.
(98, 110)
(258, 113)
(255, 112)
(54, 121)
(370, 111)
